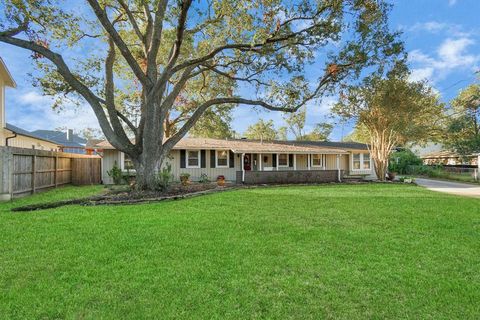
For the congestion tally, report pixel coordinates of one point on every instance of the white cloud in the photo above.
(452, 54)
(31, 111)
(452, 2)
(421, 74)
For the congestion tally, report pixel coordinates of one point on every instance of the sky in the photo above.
(442, 38)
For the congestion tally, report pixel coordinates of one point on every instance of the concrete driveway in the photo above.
(458, 188)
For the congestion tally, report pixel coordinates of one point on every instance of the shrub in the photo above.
(401, 160)
(204, 178)
(165, 177)
(116, 174)
(185, 178)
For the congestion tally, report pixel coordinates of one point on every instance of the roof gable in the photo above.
(5, 75)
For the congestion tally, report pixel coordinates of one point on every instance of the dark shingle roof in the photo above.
(325, 144)
(60, 137)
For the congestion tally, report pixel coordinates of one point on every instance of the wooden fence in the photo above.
(26, 171)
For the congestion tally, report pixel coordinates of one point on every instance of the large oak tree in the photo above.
(162, 46)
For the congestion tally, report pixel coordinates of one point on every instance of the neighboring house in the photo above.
(445, 157)
(67, 141)
(251, 161)
(11, 135)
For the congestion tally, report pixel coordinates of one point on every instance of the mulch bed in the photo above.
(121, 197)
(176, 192)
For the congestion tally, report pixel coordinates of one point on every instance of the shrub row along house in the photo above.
(251, 162)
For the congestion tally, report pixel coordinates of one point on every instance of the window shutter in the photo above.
(203, 159)
(290, 160)
(274, 160)
(182, 159)
(212, 159)
(232, 159)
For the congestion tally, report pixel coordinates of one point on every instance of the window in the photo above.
(361, 161)
(283, 160)
(317, 160)
(222, 159)
(366, 161)
(193, 159)
(356, 161)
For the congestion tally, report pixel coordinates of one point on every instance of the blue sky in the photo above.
(442, 38)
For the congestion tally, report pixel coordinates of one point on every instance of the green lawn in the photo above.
(342, 251)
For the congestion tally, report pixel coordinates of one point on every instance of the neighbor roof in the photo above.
(246, 146)
(443, 154)
(60, 137)
(26, 133)
(5, 75)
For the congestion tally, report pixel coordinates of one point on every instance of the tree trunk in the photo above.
(381, 145)
(147, 167)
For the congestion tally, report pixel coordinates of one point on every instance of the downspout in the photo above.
(8, 138)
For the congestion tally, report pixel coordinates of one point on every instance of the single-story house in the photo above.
(447, 157)
(252, 161)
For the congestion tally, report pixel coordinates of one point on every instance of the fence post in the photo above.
(33, 173)
(55, 173)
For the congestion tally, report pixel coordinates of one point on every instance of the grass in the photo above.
(372, 251)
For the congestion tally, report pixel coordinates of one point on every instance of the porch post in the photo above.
(260, 161)
(243, 167)
(338, 168)
(277, 161)
(295, 162)
(308, 161)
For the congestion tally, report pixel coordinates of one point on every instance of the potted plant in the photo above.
(185, 179)
(221, 180)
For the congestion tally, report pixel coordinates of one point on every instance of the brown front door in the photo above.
(247, 162)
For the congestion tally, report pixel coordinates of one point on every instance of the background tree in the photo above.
(262, 130)
(393, 111)
(463, 126)
(321, 132)
(164, 46)
(359, 134)
(296, 123)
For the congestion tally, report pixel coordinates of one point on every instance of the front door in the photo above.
(247, 162)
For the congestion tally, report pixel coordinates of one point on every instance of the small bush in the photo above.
(165, 177)
(204, 178)
(116, 174)
(400, 161)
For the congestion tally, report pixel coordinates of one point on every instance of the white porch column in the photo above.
(308, 161)
(295, 162)
(260, 162)
(338, 168)
(277, 161)
(243, 167)
(478, 166)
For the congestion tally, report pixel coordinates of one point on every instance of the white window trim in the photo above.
(199, 159)
(321, 160)
(288, 161)
(216, 159)
(361, 162)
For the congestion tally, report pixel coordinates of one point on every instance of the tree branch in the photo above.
(121, 45)
(75, 83)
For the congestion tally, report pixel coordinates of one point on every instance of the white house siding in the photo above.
(108, 160)
(212, 173)
(110, 156)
